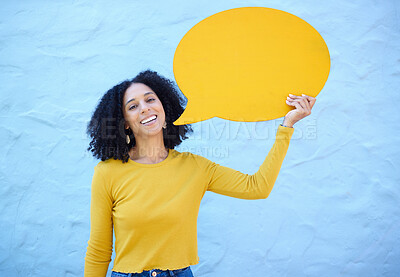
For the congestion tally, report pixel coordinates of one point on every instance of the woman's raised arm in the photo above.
(230, 182)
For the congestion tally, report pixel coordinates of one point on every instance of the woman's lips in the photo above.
(152, 118)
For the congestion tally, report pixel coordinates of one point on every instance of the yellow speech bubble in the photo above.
(241, 64)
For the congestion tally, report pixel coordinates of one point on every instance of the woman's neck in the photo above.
(149, 151)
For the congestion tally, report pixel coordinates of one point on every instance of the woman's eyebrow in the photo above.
(133, 99)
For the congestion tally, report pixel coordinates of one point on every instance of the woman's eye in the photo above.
(150, 99)
(132, 107)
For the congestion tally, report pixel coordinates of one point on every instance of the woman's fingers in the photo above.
(311, 99)
(303, 103)
(303, 106)
(309, 103)
(298, 106)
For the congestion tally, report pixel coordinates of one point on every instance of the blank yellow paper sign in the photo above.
(241, 64)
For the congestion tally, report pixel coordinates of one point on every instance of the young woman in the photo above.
(149, 193)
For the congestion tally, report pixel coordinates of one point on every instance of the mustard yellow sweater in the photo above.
(153, 207)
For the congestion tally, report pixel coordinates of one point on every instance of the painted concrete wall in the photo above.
(334, 210)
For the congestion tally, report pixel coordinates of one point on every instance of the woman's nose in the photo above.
(145, 108)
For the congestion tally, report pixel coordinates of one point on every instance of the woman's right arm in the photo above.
(99, 250)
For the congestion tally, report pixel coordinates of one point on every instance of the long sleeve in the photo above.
(230, 182)
(99, 250)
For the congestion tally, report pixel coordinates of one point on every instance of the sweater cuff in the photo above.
(284, 132)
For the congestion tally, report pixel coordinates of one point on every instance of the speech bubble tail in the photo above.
(191, 115)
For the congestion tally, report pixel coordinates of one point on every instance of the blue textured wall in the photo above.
(334, 210)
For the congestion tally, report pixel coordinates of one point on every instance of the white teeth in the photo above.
(148, 119)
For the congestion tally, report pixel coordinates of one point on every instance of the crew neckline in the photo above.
(153, 165)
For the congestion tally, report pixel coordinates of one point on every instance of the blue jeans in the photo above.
(183, 272)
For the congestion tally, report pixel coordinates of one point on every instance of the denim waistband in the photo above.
(152, 273)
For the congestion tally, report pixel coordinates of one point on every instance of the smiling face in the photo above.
(143, 111)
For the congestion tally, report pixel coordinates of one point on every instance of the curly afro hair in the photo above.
(106, 127)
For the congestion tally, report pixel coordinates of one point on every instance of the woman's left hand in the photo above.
(303, 108)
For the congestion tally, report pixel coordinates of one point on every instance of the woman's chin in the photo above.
(152, 132)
